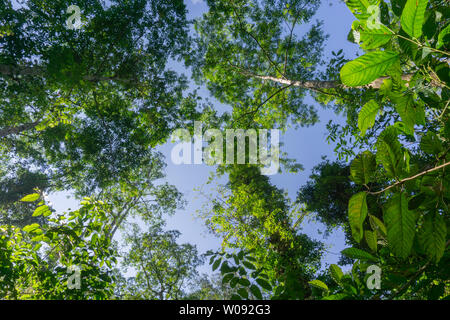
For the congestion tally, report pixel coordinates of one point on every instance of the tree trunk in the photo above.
(15, 130)
(7, 70)
(318, 84)
(22, 71)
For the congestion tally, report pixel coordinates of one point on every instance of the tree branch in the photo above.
(411, 178)
(15, 130)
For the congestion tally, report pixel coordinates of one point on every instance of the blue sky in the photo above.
(306, 145)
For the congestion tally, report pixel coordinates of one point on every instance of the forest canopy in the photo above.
(91, 90)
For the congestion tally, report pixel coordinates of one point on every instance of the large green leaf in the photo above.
(31, 227)
(367, 115)
(319, 284)
(400, 225)
(363, 167)
(336, 273)
(30, 198)
(433, 236)
(365, 69)
(357, 212)
(337, 296)
(377, 225)
(42, 210)
(444, 37)
(431, 144)
(389, 152)
(354, 253)
(413, 16)
(374, 38)
(410, 112)
(371, 239)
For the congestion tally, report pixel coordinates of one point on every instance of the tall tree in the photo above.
(85, 106)
(242, 44)
(163, 267)
(253, 215)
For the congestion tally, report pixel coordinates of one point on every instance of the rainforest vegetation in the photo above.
(84, 109)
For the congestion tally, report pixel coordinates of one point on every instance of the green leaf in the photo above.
(363, 167)
(431, 144)
(367, 68)
(227, 278)
(413, 16)
(337, 296)
(373, 38)
(249, 265)
(377, 225)
(409, 111)
(415, 202)
(371, 239)
(235, 297)
(264, 284)
(409, 48)
(256, 292)
(244, 282)
(225, 268)
(443, 37)
(31, 227)
(252, 259)
(216, 264)
(367, 115)
(354, 253)
(45, 210)
(389, 152)
(357, 212)
(234, 282)
(432, 236)
(397, 6)
(360, 8)
(243, 293)
(318, 284)
(400, 225)
(39, 238)
(336, 273)
(30, 198)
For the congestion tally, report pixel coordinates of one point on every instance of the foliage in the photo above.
(395, 97)
(240, 41)
(162, 266)
(83, 110)
(414, 185)
(254, 216)
(86, 106)
(35, 260)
